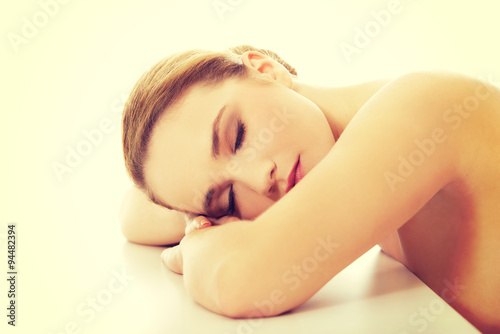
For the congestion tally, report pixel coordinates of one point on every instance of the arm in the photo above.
(246, 269)
(144, 222)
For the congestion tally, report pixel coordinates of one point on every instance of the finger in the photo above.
(227, 219)
(197, 223)
(172, 257)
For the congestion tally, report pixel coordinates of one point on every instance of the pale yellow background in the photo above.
(78, 69)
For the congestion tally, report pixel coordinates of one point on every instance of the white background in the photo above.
(78, 66)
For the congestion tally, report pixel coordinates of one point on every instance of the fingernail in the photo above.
(203, 222)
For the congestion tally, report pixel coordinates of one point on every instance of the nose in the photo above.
(259, 175)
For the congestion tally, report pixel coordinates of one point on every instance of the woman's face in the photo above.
(234, 148)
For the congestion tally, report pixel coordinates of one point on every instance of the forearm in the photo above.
(229, 271)
(144, 222)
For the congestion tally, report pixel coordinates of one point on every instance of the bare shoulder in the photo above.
(356, 202)
(454, 237)
(461, 110)
(391, 159)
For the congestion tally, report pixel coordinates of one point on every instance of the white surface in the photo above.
(376, 294)
(74, 73)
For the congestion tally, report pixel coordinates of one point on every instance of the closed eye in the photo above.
(240, 136)
(231, 206)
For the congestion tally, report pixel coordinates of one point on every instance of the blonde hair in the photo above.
(163, 85)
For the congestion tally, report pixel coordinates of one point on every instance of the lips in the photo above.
(295, 175)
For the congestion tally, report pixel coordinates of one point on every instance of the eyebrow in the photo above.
(208, 199)
(215, 153)
(215, 132)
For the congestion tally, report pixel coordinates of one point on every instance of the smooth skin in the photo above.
(439, 216)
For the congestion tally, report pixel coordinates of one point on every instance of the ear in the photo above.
(270, 68)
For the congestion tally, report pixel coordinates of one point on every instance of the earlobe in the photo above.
(262, 64)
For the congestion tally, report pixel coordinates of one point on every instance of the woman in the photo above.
(409, 164)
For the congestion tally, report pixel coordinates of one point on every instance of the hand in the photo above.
(196, 223)
(172, 256)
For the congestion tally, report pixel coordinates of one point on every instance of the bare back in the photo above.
(452, 243)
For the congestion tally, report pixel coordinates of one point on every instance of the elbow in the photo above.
(128, 232)
(238, 306)
(132, 229)
(243, 295)
(125, 216)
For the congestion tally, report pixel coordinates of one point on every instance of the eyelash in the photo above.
(240, 137)
(231, 205)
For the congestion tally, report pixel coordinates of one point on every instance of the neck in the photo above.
(339, 104)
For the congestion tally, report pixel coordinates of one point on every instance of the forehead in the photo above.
(179, 152)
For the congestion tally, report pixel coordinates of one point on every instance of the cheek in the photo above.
(312, 129)
(270, 134)
(251, 204)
